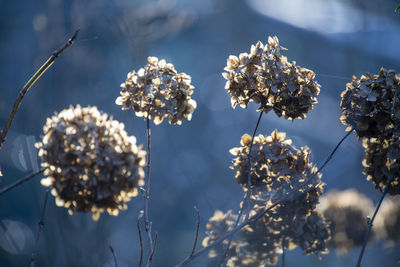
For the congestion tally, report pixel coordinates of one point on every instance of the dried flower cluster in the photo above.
(346, 212)
(259, 243)
(159, 91)
(266, 77)
(277, 167)
(371, 104)
(92, 165)
(279, 172)
(382, 162)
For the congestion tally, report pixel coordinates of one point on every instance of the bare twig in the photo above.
(140, 239)
(31, 82)
(197, 230)
(114, 256)
(147, 222)
(41, 225)
(370, 223)
(248, 193)
(153, 250)
(261, 213)
(21, 181)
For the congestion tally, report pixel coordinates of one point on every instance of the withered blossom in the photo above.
(267, 78)
(382, 162)
(260, 243)
(159, 91)
(347, 213)
(249, 246)
(371, 104)
(277, 167)
(92, 165)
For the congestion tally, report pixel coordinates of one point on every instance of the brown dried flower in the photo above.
(92, 165)
(158, 90)
(276, 167)
(346, 212)
(371, 104)
(382, 162)
(259, 243)
(248, 248)
(266, 77)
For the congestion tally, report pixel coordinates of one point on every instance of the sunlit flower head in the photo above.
(159, 91)
(276, 166)
(92, 165)
(371, 104)
(266, 77)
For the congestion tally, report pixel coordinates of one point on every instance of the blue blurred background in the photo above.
(190, 163)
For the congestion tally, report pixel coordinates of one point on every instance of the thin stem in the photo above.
(140, 239)
(370, 223)
(197, 230)
(41, 225)
(153, 250)
(21, 181)
(333, 152)
(147, 222)
(31, 82)
(261, 213)
(114, 256)
(248, 193)
(283, 254)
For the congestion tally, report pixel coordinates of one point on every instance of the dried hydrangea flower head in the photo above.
(346, 212)
(267, 78)
(245, 249)
(371, 104)
(92, 165)
(259, 243)
(382, 162)
(389, 221)
(159, 91)
(276, 167)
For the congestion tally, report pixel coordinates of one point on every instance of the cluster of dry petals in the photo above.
(279, 172)
(347, 213)
(159, 91)
(382, 162)
(259, 243)
(371, 104)
(92, 165)
(277, 167)
(267, 78)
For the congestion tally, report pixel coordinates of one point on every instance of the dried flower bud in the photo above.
(371, 104)
(92, 165)
(346, 212)
(382, 162)
(266, 77)
(158, 90)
